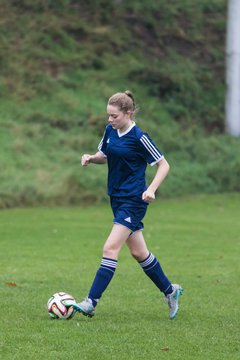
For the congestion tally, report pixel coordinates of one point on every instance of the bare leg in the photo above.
(115, 241)
(137, 246)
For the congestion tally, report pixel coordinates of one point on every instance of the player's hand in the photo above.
(85, 160)
(148, 195)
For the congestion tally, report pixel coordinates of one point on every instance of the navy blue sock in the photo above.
(102, 279)
(152, 269)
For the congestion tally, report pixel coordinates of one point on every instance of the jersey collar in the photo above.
(127, 131)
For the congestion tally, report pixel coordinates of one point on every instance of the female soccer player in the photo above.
(127, 151)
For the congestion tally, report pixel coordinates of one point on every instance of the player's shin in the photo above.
(153, 270)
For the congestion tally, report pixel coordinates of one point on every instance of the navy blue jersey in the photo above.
(127, 155)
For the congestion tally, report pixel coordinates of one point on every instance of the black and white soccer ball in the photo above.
(60, 306)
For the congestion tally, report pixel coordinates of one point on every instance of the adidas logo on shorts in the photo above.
(128, 219)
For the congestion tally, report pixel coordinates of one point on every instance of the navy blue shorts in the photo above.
(129, 212)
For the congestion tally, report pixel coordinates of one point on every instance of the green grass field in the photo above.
(45, 250)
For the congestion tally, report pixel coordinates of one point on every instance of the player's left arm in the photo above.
(162, 171)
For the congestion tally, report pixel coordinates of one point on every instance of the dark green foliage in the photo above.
(61, 60)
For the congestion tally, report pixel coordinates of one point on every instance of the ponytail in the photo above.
(130, 94)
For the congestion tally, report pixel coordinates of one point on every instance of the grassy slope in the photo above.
(49, 250)
(60, 63)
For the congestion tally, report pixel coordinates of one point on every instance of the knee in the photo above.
(110, 251)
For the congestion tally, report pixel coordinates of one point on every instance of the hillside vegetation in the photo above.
(61, 60)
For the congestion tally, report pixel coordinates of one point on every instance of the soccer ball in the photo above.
(60, 306)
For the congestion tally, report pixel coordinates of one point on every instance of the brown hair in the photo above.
(124, 101)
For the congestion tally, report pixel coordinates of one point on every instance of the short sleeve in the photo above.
(103, 143)
(150, 152)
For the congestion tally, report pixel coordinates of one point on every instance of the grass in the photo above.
(45, 250)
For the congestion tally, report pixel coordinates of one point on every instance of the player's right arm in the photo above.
(98, 158)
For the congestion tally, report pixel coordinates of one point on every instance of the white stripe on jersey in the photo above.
(109, 263)
(150, 147)
(101, 142)
(100, 145)
(148, 261)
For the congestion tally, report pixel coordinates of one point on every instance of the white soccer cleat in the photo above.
(172, 300)
(85, 307)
